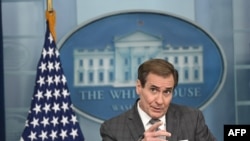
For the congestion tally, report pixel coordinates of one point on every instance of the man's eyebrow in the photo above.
(154, 86)
(170, 88)
(166, 89)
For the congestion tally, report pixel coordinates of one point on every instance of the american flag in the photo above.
(51, 117)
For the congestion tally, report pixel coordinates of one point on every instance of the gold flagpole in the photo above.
(49, 5)
(51, 17)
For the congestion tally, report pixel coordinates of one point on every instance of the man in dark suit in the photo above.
(154, 117)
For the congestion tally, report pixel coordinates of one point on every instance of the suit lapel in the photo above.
(135, 124)
(172, 122)
(136, 127)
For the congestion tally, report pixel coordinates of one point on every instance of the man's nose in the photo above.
(159, 98)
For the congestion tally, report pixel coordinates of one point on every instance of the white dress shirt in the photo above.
(146, 118)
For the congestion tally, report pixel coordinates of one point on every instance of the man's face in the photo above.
(156, 96)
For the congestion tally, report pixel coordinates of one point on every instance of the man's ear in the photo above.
(138, 86)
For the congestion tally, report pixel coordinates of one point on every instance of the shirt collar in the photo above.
(146, 118)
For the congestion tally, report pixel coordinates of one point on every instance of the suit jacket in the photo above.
(182, 122)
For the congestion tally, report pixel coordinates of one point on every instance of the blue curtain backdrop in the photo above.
(2, 118)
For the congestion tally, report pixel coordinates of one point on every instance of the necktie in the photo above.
(153, 121)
